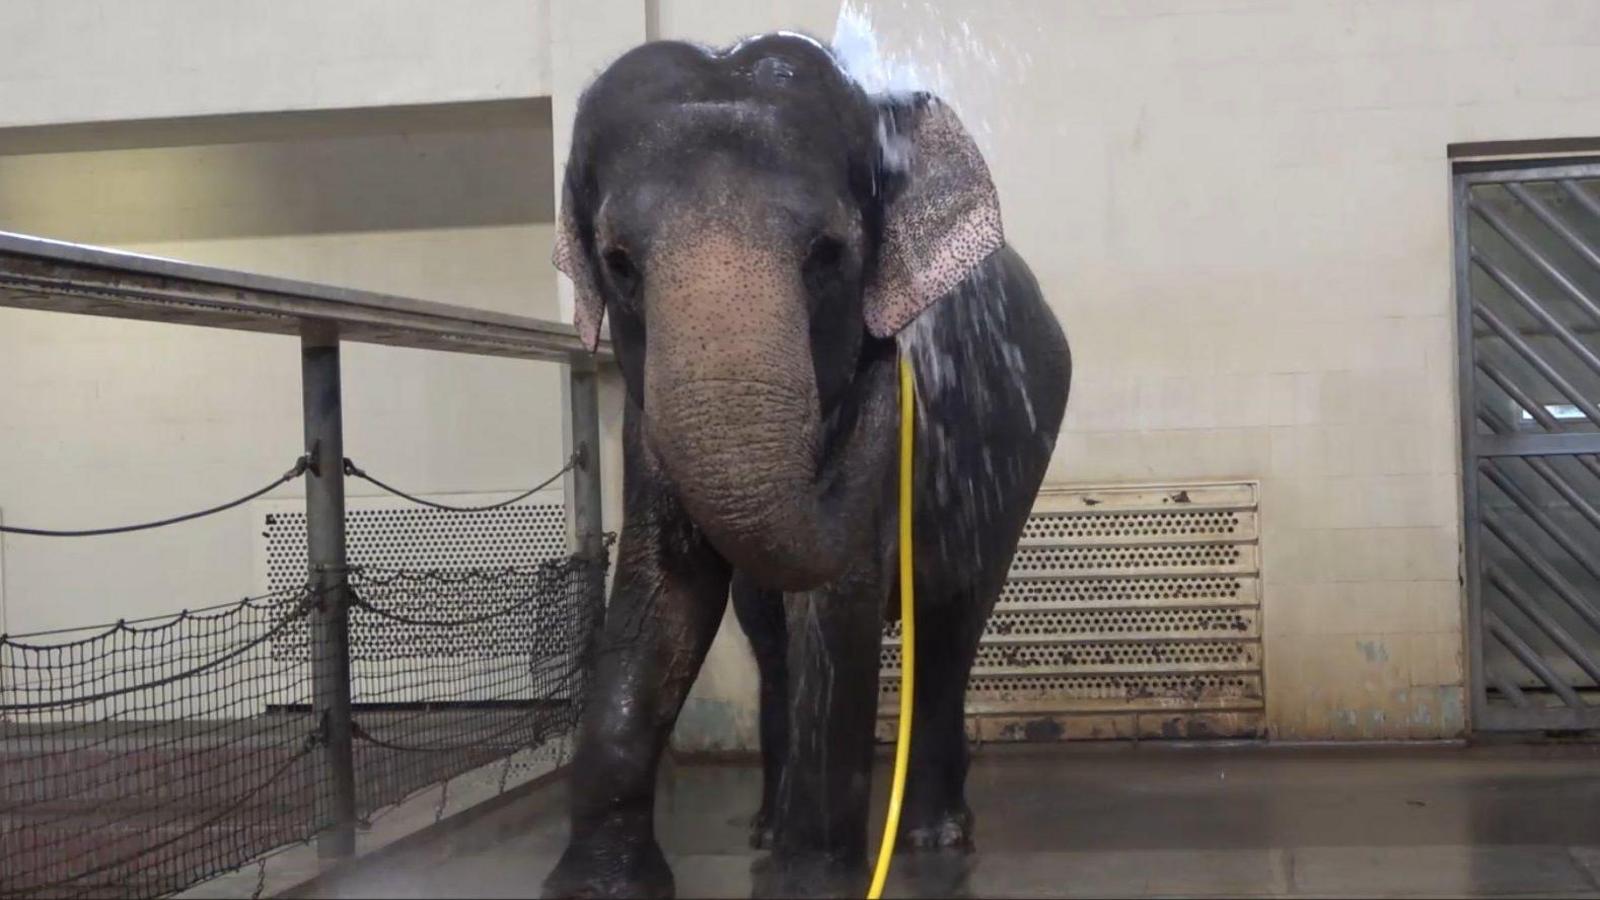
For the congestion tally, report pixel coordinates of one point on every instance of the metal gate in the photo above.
(1527, 247)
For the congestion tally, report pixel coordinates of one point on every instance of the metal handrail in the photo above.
(42, 274)
(37, 273)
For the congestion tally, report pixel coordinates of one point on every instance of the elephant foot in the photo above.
(614, 869)
(808, 876)
(949, 829)
(935, 873)
(761, 831)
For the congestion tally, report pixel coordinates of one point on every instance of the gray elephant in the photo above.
(766, 236)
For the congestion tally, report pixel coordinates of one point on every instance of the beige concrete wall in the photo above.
(1240, 211)
(1263, 289)
(584, 38)
(113, 60)
(108, 421)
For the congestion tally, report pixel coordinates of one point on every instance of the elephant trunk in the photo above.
(733, 414)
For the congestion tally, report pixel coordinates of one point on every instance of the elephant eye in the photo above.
(824, 271)
(621, 268)
(826, 253)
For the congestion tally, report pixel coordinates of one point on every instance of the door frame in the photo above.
(1484, 716)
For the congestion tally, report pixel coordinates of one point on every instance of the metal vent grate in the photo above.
(382, 534)
(1089, 692)
(1098, 656)
(1121, 592)
(1061, 560)
(1050, 528)
(1130, 612)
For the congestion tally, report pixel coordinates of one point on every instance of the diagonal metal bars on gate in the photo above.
(1528, 280)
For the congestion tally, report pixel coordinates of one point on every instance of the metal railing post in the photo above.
(330, 620)
(583, 428)
(581, 393)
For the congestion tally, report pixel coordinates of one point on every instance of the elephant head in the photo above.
(758, 228)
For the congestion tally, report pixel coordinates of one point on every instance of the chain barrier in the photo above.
(301, 466)
(355, 471)
(140, 757)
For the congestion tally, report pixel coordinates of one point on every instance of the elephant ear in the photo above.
(569, 257)
(943, 213)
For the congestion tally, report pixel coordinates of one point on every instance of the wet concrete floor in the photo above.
(1124, 821)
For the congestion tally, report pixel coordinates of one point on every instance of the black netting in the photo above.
(137, 756)
(457, 668)
(140, 758)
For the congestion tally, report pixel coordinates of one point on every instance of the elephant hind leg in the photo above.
(761, 616)
(936, 815)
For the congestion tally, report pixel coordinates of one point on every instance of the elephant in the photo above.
(768, 238)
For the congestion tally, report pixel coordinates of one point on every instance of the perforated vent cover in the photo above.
(1130, 611)
(380, 533)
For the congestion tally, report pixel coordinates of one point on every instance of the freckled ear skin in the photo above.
(942, 220)
(571, 260)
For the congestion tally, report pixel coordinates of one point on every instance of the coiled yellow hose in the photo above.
(908, 640)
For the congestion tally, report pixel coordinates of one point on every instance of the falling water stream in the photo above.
(927, 49)
(900, 46)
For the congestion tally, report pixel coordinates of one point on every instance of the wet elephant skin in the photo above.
(767, 239)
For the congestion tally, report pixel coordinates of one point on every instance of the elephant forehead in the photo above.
(783, 60)
(658, 201)
(759, 132)
(681, 70)
(773, 85)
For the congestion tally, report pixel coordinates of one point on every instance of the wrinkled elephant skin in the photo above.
(766, 237)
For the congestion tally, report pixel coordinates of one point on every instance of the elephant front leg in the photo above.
(820, 827)
(668, 599)
(761, 615)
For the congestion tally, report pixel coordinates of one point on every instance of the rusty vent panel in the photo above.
(1130, 612)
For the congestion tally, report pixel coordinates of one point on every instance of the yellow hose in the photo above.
(908, 640)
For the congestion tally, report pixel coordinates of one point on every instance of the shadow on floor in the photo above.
(1123, 821)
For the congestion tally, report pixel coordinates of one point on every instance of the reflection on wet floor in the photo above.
(1151, 820)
